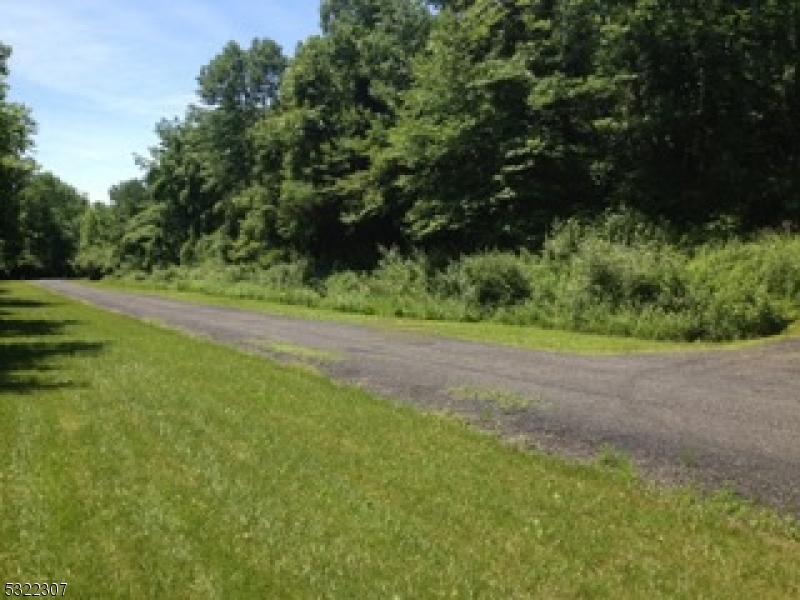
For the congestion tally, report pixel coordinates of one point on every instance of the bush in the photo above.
(629, 276)
(286, 275)
(397, 275)
(488, 281)
(746, 289)
(617, 275)
(620, 276)
(344, 282)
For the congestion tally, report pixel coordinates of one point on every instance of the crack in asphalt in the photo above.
(713, 418)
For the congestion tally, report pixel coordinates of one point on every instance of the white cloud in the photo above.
(105, 55)
(98, 74)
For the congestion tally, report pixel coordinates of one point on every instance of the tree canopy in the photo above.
(39, 213)
(456, 126)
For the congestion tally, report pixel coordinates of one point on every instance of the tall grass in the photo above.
(619, 275)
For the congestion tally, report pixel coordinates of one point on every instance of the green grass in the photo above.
(139, 462)
(485, 331)
(497, 397)
(297, 351)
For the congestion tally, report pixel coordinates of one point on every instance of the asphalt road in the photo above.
(727, 418)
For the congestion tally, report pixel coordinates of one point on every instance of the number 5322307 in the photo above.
(36, 589)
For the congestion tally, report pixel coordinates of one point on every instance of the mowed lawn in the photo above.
(140, 462)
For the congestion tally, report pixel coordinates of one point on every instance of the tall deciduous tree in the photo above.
(458, 125)
(103, 226)
(708, 117)
(237, 87)
(49, 222)
(498, 135)
(340, 96)
(16, 139)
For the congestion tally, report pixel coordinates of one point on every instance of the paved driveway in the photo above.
(718, 418)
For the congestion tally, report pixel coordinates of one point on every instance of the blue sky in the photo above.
(99, 74)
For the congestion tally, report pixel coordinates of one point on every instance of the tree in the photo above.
(459, 125)
(98, 244)
(16, 139)
(339, 98)
(49, 223)
(707, 114)
(498, 134)
(237, 88)
(104, 226)
(180, 207)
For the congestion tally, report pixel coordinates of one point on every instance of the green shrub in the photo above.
(629, 276)
(746, 289)
(489, 281)
(397, 275)
(623, 227)
(618, 274)
(286, 275)
(344, 282)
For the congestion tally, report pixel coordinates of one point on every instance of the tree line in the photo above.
(457, 126)
(40, 215)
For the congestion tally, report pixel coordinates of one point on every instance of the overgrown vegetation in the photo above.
(167, 462)
(596, 166)
(618, 275)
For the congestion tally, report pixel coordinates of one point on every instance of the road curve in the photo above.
(716, 418)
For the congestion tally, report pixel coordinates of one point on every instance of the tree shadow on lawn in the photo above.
(9, 307)
(28, 355)
(27, 366)
(9, 302)
(32, 327)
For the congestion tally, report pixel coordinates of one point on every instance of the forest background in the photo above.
(621, 166)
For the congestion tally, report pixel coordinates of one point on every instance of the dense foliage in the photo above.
(451, 136)
(39, 214)
(617, 274)
(461, 126)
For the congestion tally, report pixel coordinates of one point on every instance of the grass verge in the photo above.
(137, 461)
(497, 397)
(296, 351)
(521, 336)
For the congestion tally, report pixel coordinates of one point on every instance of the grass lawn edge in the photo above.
(527, 337)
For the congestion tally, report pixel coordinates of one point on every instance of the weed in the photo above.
(495, 396)
(296, 350)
